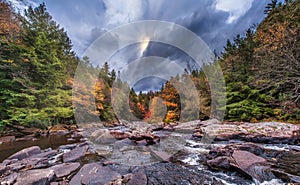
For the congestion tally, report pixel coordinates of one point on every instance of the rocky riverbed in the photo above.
(196, 152)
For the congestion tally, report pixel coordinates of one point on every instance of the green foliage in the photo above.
(34, 72)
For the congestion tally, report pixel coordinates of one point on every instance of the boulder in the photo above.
(263, 132)
(94, 173)
(64, 169)
(169, 173)
(246, 159)
(252, 165)
(37, 177)
(121, 143)
(75, 154)
(138, 178)
(188, 127)
(119, 135)
(27, 152)
(163, 156)
(10, 179)
(45, 154)
(220, 163)
(149, 138)
(105, 138)
(141, 142)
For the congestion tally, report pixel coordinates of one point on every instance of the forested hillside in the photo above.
(37, 63)
(261, 69)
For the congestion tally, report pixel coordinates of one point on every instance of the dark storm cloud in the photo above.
(87, 20)
(214, 21)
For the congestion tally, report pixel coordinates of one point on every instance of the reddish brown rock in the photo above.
(94, 173)
(119, 135)
(138, 178)
(164, 156)
(75, 154)
(252, 165)
(218, 163)
(39, 177)
(64, 169)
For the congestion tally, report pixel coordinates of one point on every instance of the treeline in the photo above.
(261, 69)
(37, 64)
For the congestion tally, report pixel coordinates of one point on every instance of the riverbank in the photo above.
(197, 152)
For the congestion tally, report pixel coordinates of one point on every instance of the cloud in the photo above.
(214, 21)
(21, 5)
(235, 8)
(120, 12)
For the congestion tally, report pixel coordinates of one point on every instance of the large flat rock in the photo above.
(27, 152)
(94, 173)
(75, 154)
(252, 165)
(64, 169)
(36, 177)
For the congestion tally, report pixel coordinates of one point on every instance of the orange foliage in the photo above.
(9, 24)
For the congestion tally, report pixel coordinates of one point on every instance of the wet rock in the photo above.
(7, 139)
(99, 132)
(289, 162)
(105, 138)
(94, 173)
(188, 127)
(286, 176)
(155, 127)
(150, 138)
(85, 170)
(138, 178)
(252, 165)
(75, 154)
(76, 135)
(263, 132)
(2, 169)
(168, 128)
(168, 173)
(141, 143)
(67, 147)
(119, 135)
(27, 152)
(8, 180)
(37, 177)
(220, 163)
(161, 155)
(251, 147)
(108, 162)
(198, 134)
(45, 154)
(64, 169)
(121, 143)
(245, 159)
(101, 175)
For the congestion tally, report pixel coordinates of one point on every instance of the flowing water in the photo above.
(191, 153)
(52, 141)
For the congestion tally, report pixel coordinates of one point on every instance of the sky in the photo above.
(214, 21)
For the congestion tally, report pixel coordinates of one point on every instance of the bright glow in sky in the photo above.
(235, 8)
